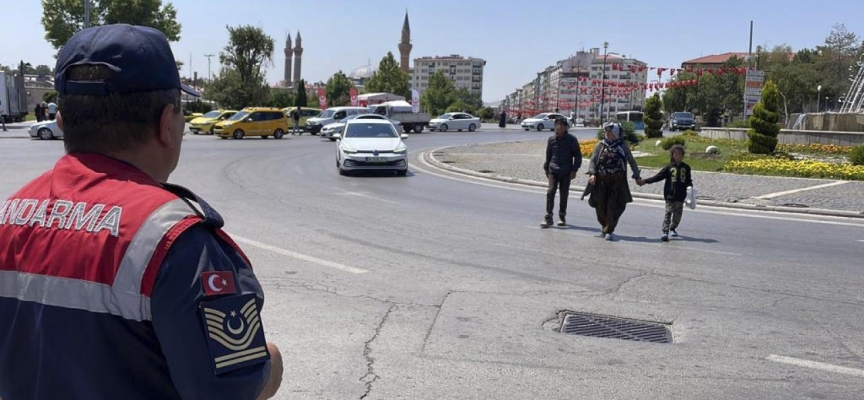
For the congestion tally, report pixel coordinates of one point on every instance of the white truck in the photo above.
(13, 102)
(400, 110)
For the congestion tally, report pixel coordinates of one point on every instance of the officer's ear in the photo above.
(171, 126)
(59, 118)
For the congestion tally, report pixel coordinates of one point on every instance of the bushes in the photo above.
(667, 143)
(856, 156)
(630, 134)
(653, 117)
(763, 124)
(690, 133)
(198, 106)
(741, 123)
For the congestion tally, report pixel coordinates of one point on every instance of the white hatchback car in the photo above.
(371, 144)
(46, 130)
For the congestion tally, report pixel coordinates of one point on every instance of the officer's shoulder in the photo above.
(208, 214)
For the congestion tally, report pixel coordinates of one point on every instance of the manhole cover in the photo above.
(602, 326)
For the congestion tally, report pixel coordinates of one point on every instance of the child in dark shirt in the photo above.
(678, 178)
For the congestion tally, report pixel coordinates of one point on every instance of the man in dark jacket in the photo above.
(563, 159)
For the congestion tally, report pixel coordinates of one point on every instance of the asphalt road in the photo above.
(441, 286)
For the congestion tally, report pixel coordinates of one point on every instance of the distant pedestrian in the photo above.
(502, 122)
(52, 110)
(39, 112)
(563, 159)
(572, 117)
(678, 179)
(608, 173)
(295, 116)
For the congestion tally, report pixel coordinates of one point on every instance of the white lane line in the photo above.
(366, 196)
(817, 365)
(299, 256)
(793, 191)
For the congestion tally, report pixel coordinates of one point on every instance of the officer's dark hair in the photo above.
(113, 122)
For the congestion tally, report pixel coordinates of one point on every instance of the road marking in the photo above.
(366, 196)
(299, 256)
(793, 191)
(817, 365)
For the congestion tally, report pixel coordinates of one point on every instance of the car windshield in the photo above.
(213, 114)
(445, 116)
(238, 116)
(682, 115)
(361, 130)
(540, 116)
(326, 114)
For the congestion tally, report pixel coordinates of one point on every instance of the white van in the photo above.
(331, 115)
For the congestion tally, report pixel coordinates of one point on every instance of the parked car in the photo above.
(204, 124)
(331, 129)
(455, 121)
(253, 121)
(46, 130)
(305, 114)
(371, 144)
(542, 121)
(331, 115)
(682, 121)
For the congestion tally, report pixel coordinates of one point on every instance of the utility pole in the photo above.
(749, 59)
(86, 14)
(603, 81)
(209, 75)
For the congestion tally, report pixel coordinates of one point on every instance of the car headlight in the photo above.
(348, 150)
(400, 150)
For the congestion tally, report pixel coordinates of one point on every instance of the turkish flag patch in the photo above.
(217, 283)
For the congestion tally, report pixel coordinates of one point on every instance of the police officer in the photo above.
(115, 284)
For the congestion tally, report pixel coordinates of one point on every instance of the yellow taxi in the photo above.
(204, 124)
(253, 121)
(305, 113)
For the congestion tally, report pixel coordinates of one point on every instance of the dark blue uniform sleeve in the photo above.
(175, 307)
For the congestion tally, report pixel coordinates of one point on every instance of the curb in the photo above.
(429, 157)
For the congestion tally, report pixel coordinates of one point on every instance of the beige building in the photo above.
(465, 72)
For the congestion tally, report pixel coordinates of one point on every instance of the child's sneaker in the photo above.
(547, 222)
(673, 233)
(609, 237)
(665, 237)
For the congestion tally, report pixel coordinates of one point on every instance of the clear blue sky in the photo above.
(516, 38)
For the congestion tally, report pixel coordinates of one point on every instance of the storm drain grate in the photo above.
(602, 326)
(485, 171)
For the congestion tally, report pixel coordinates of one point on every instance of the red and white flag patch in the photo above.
(217, 283)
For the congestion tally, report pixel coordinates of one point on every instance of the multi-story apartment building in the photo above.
(465, 72)
(575, 85)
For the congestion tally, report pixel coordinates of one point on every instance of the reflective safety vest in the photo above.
(81, 247)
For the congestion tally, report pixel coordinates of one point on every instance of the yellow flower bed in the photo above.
(803, 168)
(814, 148)
(586, 147)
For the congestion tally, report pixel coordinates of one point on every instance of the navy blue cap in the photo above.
(140, 57)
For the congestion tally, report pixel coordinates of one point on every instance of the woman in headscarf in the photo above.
(607, 171)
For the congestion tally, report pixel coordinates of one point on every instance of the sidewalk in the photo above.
(16, 130)
(522, 163)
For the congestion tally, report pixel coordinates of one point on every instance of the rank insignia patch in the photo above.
(235, 335)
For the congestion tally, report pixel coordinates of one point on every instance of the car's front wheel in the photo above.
(45, 134)
(239, 134)
(539, 127)
(444, 128)
(472, 128)
(278, 134)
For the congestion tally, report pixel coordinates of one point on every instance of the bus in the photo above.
(633, 116)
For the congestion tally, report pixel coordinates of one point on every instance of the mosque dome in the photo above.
(364, 72)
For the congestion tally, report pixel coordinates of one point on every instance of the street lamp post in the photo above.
(826, 103)
(22, 97)
(818, 96)
(209, 75)
(603, 81)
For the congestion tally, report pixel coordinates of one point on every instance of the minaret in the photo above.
(289, 57)
(405, 45)
(298, 53)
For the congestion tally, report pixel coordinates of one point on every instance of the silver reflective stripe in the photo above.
(141, 249)
(72, 293)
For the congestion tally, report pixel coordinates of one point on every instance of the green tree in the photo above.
(301, 98)
(459, 106)
(43, 70)
(473, 100)
(653, 117)
(763, 123)
(281, 98)
(49, 96)
(248, 50)
(63, 18)
(439, 95)
(338, 90)
(389, 78)
(229, 90)
(487, 114)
